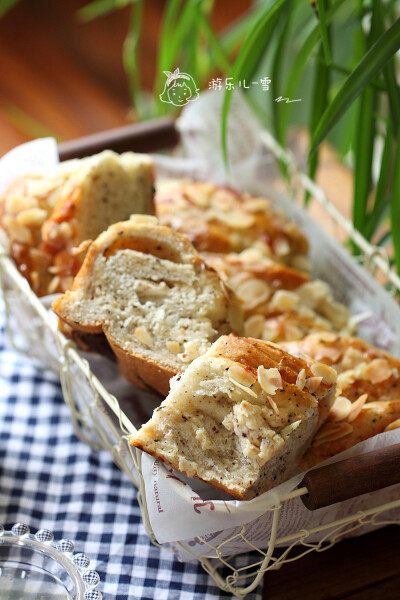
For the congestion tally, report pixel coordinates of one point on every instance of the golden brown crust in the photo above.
(220, 219)
(238, 267)
(362, 368)
(368, 383)
(45, 215)
(372, 420)
(250, 353)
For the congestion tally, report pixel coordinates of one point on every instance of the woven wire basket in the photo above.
(99, 419)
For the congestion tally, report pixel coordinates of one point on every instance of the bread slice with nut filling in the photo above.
(48, 215)
(155, 299)
(241, 416)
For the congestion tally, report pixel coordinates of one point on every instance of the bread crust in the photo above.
(220, 219)
(48, 215)
(369, 379)
(177, 411)
(142, 234)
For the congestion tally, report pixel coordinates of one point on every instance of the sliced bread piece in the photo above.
(367, 394)
(220, 219)
(47, 215)
(241, 416)
(154, 298)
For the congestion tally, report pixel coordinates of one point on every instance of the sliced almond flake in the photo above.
(346, 378)
(53, 285)
(241, 375)
(238, 219)
(270, 380)
(330, 432)
(333, 354)
(245, 388)
(393, 425)
(253, 326)
(378, 370)
(356, 408)
(301, 379)
(281, 247)
(356, 319)
(326, 336)
(340, 409)
(328, 374)
(145, 219)
(291, 427)
(273, 404)
(284, 300)
(143, 336)
(173, 347)
(253, 292)
(313, 383)
(395, 373)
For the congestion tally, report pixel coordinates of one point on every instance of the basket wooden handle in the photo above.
(352, 477)
(148, 136)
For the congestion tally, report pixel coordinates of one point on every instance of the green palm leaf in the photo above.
(253, 48)
(375, 59)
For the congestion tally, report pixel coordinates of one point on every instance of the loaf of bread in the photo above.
(241, 416)
(49, 217)
(155, 299)
(279, 302)
(367, 397)
(220, 219)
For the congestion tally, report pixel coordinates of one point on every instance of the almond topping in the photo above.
(301, 379)
(333, 354)
(238, 219)
(330, 432)
(326, 336)
(281, 247)
(393, 425)
(17, 232)
(241, 375)
(356, 408)
(273, 404)
(313, 383)
(174, 347)
(145, 219)
(269, 379)
(243, 387)
(253, 326)
(284, 300)
(16, 204)
(32, 217)
(53, 285)
(143, 336)
(291, 427)
(67, 283)
(378, 370)
(258, 205)
(340, 409)
(253, 292)
(328, 374)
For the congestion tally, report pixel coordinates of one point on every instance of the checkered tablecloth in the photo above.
(50, 479)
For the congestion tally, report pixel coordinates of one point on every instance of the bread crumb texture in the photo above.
(240, 423)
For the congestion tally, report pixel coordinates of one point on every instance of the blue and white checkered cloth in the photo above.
(50, 479)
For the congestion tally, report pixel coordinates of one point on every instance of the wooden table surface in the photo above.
(62, 78)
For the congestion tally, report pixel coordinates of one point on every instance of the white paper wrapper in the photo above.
(181, 509)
